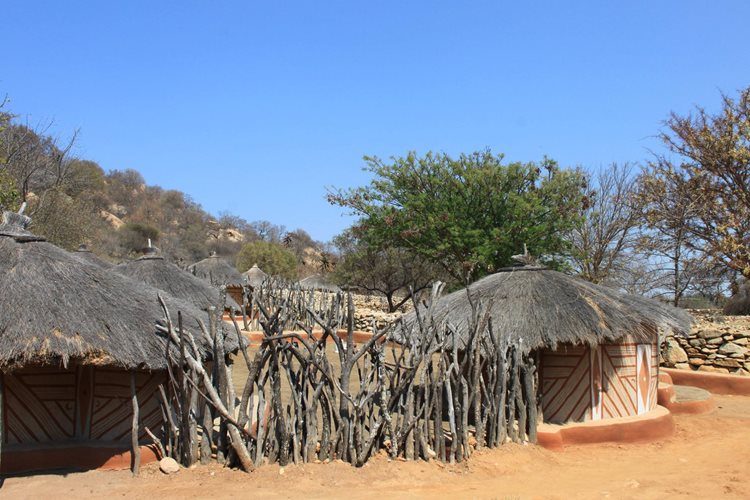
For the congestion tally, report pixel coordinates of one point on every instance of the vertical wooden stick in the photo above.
(135, 452)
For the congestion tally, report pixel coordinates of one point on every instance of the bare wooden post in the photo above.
(207, 427)
(135, 451)
(530, 395)
(185, 437)
(2, 412)
(512, 385)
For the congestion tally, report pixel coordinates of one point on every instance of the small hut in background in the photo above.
(79, 351)
(739, 304)
(596, 348)
(152, 269)
(85, 254)
(254, 277)
(318, 282)
(219, 273)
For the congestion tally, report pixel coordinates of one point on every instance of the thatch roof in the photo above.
(254, 276)
(152, 269)
(318, 282)
(55, 308)
(87, 255)
(536, 307)
(739, 304)
(216, 271)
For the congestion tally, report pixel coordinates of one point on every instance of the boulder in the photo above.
(712, 369)
(169, 465)
(708, 334)
(732, 350)
(697, 343)
(673, 353)
(727, 363)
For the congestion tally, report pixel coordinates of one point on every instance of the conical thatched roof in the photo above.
(739, 304)
(87, 255)
(153, 270)
(55, 308)
(216, 271)
(254, 276)
(536, 307)
(318, 282)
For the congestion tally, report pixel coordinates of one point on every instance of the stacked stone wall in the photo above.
(716, 343)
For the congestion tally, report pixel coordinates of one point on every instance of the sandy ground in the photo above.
(708, 457)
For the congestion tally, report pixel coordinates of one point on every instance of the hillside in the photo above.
(73, 201)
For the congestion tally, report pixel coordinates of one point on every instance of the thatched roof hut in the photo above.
(56, 308)
(85, 254)
(739, 304)
(77, 344)
(318, 282)
(216, 271)
(152, 269)
(596, 348)
(544, 308)
(254, 276)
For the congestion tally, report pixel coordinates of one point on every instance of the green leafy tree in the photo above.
(469, 214)
(273, 258)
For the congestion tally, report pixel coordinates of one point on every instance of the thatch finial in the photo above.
(16, 219)
(525, 258)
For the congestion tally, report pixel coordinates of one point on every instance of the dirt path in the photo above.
(709, 456)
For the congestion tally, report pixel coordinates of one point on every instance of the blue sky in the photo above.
(255, 108)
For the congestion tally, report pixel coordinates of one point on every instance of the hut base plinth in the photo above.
(652, 426)
(74, 456)
(715, 383)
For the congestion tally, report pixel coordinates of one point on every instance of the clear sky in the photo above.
(255, 108)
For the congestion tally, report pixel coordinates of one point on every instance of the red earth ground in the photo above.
(708, 457)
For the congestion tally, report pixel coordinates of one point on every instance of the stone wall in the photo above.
(373, 308)
(716, 343)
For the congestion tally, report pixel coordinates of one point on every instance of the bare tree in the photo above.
(607, 230)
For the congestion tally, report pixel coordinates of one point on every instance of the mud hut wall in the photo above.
(53, 406)
(235, 293)
(628, 381)
(565, 384)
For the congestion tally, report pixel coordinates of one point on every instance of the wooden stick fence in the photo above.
(308, 398)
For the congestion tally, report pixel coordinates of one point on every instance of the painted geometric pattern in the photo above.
(112, 412)
(654, 376)
(53, 405)
(566, 383)
(39, 405)
(619, 373)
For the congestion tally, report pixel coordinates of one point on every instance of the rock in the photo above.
(697, 342)
(673, 353)
(732, 350)
(747, 365)
(708, 334)
(682, 366)
(697, 361)
(743, 341)
(727, 363)
(715, 341)
(712, 369)
(169, 465)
